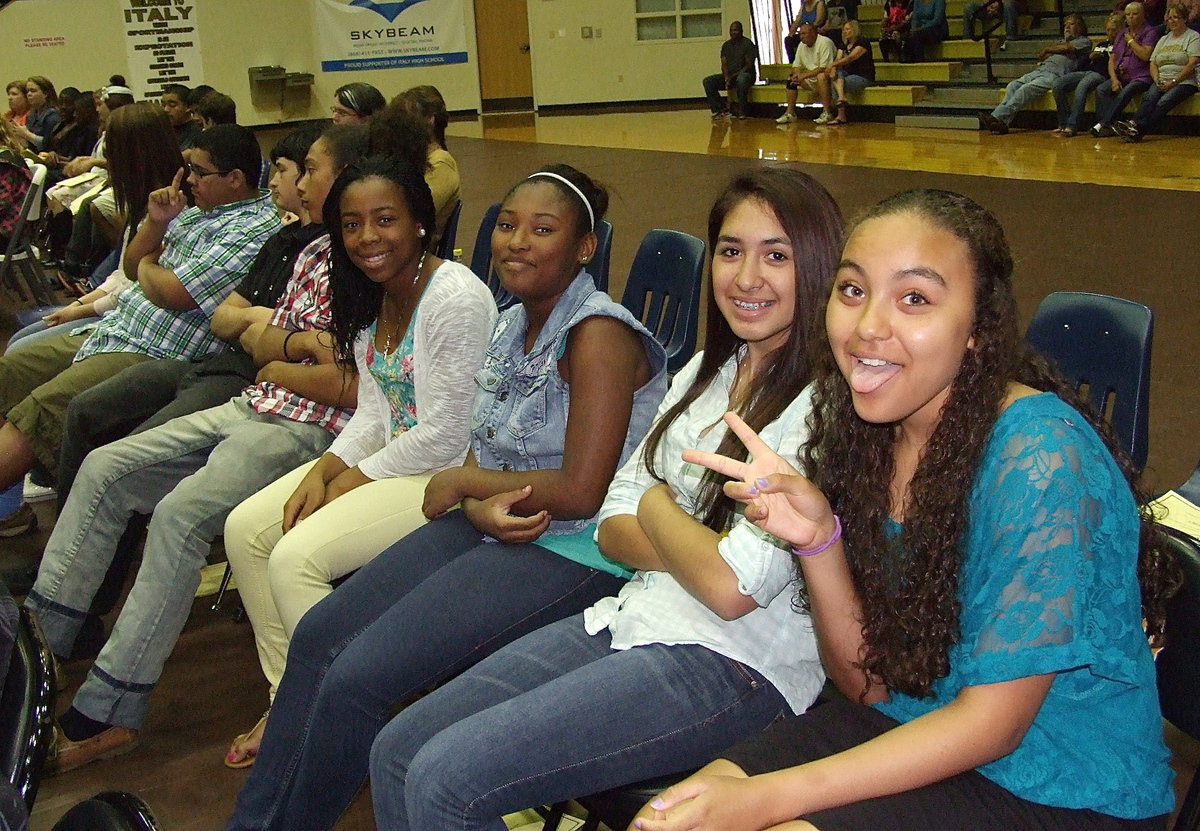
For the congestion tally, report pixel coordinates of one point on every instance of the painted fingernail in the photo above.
(761, 481)
(657, 804)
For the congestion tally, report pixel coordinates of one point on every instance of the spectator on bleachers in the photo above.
(355, 103)
(985, 10)
(185, 261)
(810, 71)
(853, 69)
(215, 108)
(174, 101)
(1057, 59)
(811, 11)
(1193, 13)
(43, 117)
(112, 98)
(1128, 70)
(897, 16)
(1070, 114)
(739, 71)
(1173, 66)
(928, 27)
(442, 176)
(18, 104)
(1155, 10)
(14, 181)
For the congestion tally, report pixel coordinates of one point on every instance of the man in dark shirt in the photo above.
(739, 58)
(174, 103)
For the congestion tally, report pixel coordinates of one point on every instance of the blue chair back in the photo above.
(663, 291)
(481, 257)
(1102, 343)
(445, 248)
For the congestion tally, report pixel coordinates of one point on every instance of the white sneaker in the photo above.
(37, 493)
(786, 118)
(823, 118)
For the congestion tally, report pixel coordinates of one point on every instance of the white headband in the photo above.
(117, 90)
(576, 190)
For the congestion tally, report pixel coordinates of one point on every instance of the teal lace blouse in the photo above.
(1049, 585)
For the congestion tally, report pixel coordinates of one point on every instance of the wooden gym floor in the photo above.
(1081, 214)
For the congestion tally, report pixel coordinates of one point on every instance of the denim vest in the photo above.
(519, 420)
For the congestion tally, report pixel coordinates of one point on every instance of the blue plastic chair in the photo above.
(1102, 343)
(663, 291)
(445, 248)
(481, 257)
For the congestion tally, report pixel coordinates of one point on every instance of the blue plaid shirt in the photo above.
(210, 252)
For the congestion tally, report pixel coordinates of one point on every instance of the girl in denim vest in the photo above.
(703, 646)
(971, 554)
(568, 386)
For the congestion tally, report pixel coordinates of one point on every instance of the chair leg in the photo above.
(225, 578)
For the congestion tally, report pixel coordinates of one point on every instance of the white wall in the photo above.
(238, 34)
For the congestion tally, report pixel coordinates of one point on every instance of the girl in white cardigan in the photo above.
(416, 327)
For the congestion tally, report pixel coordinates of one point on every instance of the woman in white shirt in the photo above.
(416, 328)
(704, 644)
(1173, 66)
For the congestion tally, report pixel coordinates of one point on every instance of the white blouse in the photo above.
(454, 322)
(776, 639)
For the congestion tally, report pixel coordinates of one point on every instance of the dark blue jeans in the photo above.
(560, 714)
(424, 610)
(1110, 105)
(1156, 104)
(742, 81)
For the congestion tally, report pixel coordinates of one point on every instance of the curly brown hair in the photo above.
(908, 584)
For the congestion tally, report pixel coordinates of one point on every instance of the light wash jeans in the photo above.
(560, 714)
(1070, 115)
(190, 472)
(1021, 91)
(40, 330)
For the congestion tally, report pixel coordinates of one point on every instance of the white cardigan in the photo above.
(455, 318)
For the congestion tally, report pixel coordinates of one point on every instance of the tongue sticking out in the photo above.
(866, 378)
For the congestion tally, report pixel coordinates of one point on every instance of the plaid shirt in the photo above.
(303, 307)
(210, 252)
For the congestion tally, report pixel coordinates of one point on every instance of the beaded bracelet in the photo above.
(837, 535)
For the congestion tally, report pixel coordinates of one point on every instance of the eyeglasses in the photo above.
(200, 172)
(337, 110)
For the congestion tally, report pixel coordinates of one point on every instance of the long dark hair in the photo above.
(908, 585)
(355, 299)
(143, 155)
(813, 223)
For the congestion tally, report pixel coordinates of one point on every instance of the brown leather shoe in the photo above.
(68, 755)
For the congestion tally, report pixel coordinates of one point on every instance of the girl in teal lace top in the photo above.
(975, 561)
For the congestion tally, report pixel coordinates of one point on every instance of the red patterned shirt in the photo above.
(303, 307)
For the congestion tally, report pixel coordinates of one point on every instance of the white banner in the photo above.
(354, 35)
(163, 44)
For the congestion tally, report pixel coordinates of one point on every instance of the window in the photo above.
(678, 19)
(772, 19)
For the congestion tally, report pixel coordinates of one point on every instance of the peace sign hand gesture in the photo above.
(778, 498)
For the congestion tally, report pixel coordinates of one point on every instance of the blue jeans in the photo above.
(742, 81)
(1110, 105)
(1070, 115)
(1156, 104)
(972, 10)
(40, 330)
(560, 714)
(424, 610)
(1020, 92)
(190, 472)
